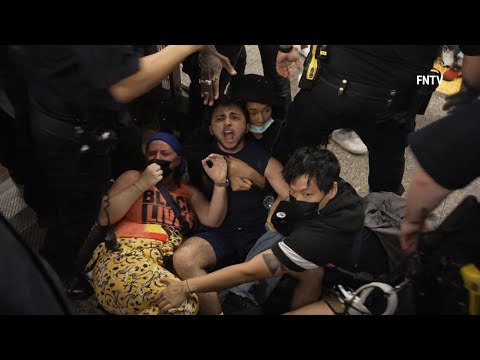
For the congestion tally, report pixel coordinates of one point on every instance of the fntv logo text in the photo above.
(430, 79)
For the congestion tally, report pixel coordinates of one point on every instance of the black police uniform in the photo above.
(369, 88)
(448, 148)
(69, 87)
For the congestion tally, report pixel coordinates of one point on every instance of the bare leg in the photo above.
(318, 308)
(191, 260)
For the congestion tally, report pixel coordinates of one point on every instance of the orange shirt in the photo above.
(147, 215)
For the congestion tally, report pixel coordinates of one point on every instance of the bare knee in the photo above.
(193, 257)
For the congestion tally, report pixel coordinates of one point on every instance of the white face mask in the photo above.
(255, 129)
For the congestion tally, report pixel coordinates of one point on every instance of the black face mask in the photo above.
(288, 213)
(164, 165)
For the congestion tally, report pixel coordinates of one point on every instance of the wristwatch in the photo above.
(226, 183)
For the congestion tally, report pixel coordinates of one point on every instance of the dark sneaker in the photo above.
(78, 288)
(238, 305)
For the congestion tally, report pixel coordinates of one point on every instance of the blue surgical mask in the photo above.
(255, 129)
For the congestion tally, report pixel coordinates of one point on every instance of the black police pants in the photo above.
(281, 85)
(315, 113)
(75, 185)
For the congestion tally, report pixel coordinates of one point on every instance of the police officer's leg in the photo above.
(268, 54)
(386, 144)
(75, 188)
(76, 199)
(309, 118)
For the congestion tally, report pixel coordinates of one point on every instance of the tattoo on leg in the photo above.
(273, 264)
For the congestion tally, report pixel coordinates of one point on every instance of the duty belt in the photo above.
(343, 85)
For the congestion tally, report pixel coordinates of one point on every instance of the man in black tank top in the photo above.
(249, 166)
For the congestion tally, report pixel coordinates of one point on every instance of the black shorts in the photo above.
(232, 245)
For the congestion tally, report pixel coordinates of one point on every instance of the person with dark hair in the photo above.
(249, 166)
(319, 221)
(264, 107)
(199, 71)
(152, 211)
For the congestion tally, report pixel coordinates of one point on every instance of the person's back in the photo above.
(67, 79)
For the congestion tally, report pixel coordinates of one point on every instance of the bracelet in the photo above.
(226, 183)
(285, 50)
(188, 287)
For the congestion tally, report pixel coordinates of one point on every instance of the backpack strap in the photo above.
(185, 227)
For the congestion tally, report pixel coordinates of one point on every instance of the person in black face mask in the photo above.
(152, 211)
(318, 222)
(290, 211)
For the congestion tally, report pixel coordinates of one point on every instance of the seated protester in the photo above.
(150, 225)
(249, 165)
(264, 107)
(376, 254)
(320, 220)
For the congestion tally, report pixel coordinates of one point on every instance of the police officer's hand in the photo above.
(410, 233)
(286, 63)
(211, 65)
(151, 175)
(466, 95)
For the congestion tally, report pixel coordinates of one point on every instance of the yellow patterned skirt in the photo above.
(126, 281)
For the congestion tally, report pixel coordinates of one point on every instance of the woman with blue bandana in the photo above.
(152, 211)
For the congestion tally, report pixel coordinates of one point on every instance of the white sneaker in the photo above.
(447, 57)
(350, 141)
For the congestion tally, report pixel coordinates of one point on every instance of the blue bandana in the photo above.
(171, 140)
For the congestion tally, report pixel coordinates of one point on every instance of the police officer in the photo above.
(368, 88)
(454, 164)
(77, 94)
